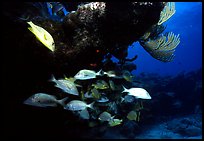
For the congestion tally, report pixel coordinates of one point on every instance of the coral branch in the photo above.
(167, 12)
(163, 47)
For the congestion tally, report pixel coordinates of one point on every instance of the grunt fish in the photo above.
(44, 100)
(105, 116)
(66, 85)
(137, 92)
(84, 114)
(87, 74)
(77, 105)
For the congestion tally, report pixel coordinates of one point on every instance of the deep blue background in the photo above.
(187, 21)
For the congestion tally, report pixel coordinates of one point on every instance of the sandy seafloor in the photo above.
(183, 127)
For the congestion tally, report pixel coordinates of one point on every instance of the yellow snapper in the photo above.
(66, 85)
(139, 93)
(44, 100)
(77, 105)
(87, 74)
(42, 35)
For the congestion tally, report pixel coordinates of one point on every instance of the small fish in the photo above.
(137, 92)
(42, 35)
(128, 99)
(115, 122)
(87, 95)
(110, 73)
(113, 107)
(95, 93)
(105, 116)
(127, 76)
(177, 104)
(44, 100)
(101, 84)
(77, 105)
(84, 114)
(103, 99)
(171, 94)
(87, 74)
(67, 86)
(112, 85)
(132, 115)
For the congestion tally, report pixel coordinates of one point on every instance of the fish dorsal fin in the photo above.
(124, 89)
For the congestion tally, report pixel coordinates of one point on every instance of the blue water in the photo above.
(187, 21)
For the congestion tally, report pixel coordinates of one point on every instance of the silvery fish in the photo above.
(84, 114)
(128, 99)
(44, 100)
(137, 92)
(77, 105)
(105, 116)
(103, 99)
(112, 74)
(65, 85)
(112, 85)
(87, 74)
(87, 95)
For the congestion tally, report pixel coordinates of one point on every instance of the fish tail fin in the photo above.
(91, 105)
(100, 72)
(122, 99)
(62, 101)
(52, 79)
(30, 23)
(65, 77)
(31, 26)
(124, 89)
(112, 118)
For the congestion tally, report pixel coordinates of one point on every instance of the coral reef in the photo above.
(90, 31)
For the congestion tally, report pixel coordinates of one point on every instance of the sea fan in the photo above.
(163, 47)
(167, 12)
